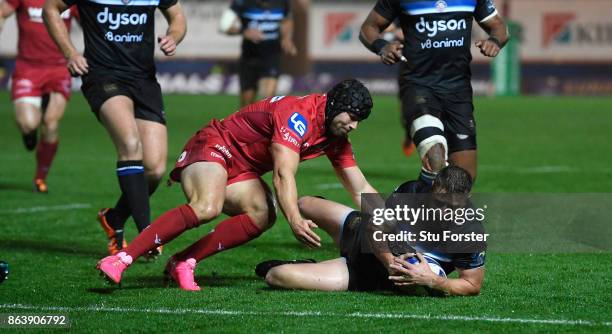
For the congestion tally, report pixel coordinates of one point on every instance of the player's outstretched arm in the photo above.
(6, 10)
(285, 166)
(498, 36)
(177, 28)
(468, 283)
(370, 36)
(77, 64)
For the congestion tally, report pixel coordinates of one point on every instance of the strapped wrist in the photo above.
(378, 45)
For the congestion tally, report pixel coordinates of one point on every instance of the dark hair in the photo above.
(452, 180)
(350, 96)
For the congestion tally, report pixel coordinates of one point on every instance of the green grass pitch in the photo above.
(52, 242)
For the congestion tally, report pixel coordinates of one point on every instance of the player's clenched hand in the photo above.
(167, 45)
(392, 53)
(77, 65)
(488, 47)
(252, 34)
(408, 273)
(302, 229)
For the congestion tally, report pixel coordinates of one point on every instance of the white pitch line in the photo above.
(62, 207)
(304, 314)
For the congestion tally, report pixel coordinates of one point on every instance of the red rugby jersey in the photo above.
(35, 44)
(293, 121)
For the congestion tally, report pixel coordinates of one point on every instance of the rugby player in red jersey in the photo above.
(220, 168)
(40, 83)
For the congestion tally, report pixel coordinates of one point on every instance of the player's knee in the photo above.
(279, 277)
(303, 202)
(130, 148)
(262, 216)
(155, 171)
(205, 211)
(427, 132)
(436, 157)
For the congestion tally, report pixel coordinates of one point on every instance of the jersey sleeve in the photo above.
(341, 155)
(165, 4)
(485, 9)
(469, 260)
(290, 128)
(389, 9)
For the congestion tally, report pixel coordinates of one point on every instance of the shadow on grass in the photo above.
(23, 187)
(46, 247)
(158, 281)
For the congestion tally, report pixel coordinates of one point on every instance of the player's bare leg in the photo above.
(331, 275)
(328, 215)
(154, 137)
(466, 160)
(204, 187)
(267, 87)
(247, 97)
(28, 118)
(251, 206)
(117, 116)
(49, 139)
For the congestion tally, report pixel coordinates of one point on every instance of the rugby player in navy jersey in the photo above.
(359, 268)
(267, 29)
(118, 73)
(435, 82)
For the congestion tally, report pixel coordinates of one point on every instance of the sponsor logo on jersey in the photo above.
(223, 150)
(298, 124)
(35, 14)
(117, 20)
(182, 156)
(433, 27)
(441, 5)
(288, 137)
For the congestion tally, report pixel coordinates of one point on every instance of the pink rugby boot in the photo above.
(182, 273)
(113, 266)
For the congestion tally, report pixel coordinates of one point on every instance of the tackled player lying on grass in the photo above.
(361, 270)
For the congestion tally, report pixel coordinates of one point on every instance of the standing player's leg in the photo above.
(267, 86)
(466, 160)
(117, 116)
(154, 138)
(249, 76)
(49, 139)
(151, 124)
(422, 109)
(251, 208)
(204, 187)
(331, 275)
(28, 118)
(460, 131)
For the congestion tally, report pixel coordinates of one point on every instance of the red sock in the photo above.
(44, 157)
(230, 233)
(165, 228)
